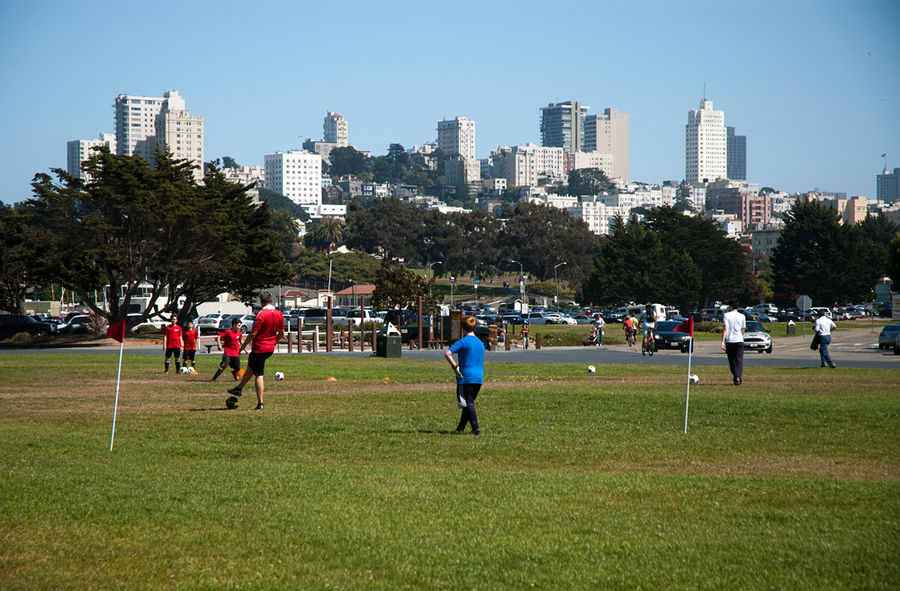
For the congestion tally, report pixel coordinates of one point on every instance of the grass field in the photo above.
(578, 481)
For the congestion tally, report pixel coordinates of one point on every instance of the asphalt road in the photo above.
(856, 348)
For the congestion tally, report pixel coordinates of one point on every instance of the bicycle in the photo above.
(648, 345)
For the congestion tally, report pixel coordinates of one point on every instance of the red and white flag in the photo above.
(686, 326)
(116, 331)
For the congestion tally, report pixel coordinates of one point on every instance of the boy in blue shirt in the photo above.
(469, 373)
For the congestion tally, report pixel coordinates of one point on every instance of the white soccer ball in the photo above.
(591, 369)
(279, 376)
(185, 370)
(694, 378)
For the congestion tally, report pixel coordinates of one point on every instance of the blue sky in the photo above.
(815, 86)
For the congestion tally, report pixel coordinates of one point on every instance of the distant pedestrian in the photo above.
(599, 323)
(268, 329)
(172, 343)
(628, 325)
(469, 373)
(824, 326)
(733, 341)
(525, 335)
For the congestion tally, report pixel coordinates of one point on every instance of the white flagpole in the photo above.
(116, 407)
(687, 398)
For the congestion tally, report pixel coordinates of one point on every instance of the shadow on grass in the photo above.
(210, 409)
(422, 431)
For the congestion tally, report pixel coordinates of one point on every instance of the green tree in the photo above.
(388, 227)
(348, 160)
(589, 181)
(313, 265)
(325, 235)
(398, 287)
(894, 259)
(683, 198)
(228, 162)
(278, 202)
(724, 264)
(635, 265)
(21, 253)
(819, 257)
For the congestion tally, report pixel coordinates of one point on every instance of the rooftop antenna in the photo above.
(704, 91)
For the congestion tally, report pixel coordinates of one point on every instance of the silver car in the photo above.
(887, 338)
(757, 338)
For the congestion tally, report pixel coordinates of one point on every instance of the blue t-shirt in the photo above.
(470, 351)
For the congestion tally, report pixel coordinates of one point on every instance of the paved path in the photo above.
(850, 348)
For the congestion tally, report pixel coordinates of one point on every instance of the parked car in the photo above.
(757, 338)
(212, 323)
(887, 338)
(666, 337)
(353, 317)
(319, 315)
(78, 323)
(535, 318)
(584, 318)
(247, 321)
(13, 324)
(513, 319)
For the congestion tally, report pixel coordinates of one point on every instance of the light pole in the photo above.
(452, 283)
(431, 268)
(475, 284)
(521, 286)
(556, 280)
(431, 312)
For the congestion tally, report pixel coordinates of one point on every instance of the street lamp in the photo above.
(556, 280)
(452, 283)
(430, 312)
(521, 285)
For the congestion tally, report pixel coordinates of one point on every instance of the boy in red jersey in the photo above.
(232, 355)
(190, 338)
(172, 343)
(267, 331)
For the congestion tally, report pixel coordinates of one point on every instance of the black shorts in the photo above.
(256, 362)
(189, 354)
(173, 351)
(234, 362)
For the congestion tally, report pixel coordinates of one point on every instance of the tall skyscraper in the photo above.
(335, 130)
(456, 138)
(608, 134)
(887, 186)
(144, 123)
(297, 175)
(77, 151)
(737, 155)
(562, 125)
(706, 157)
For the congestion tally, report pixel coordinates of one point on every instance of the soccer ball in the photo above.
(233, 402)
(694, 378)
(279, 376)
(184, 370)
(591, 369)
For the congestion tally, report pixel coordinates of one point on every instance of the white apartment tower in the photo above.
(297, 175)
(608, 134)
(77, 151)
(705, 145)
(143, 123)
(456, 138)
(335, 131)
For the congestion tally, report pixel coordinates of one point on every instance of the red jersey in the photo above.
(231, 342)
(190, 339)
(269, 324)
(173, 336)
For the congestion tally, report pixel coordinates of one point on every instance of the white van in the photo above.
(816, 311)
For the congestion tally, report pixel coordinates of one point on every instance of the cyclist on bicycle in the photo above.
(648, 326)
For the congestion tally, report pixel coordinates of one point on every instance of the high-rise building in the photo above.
(608, 134)
(562, 125)
(145, 123)
(736, 147)
(456, 138)
(524, 166)
(706, 156)
(297, 175)
(77, 151)
(335, 131)
(887, 186)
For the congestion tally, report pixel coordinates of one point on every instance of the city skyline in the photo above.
(817, 98)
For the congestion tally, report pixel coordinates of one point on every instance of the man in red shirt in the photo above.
(267, 331)
(232, 355)
(172, 343)
(190, 337)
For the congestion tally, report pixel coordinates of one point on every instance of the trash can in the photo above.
(387, 345)
(791, 330)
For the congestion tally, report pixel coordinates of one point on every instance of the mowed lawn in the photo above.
(579, 481)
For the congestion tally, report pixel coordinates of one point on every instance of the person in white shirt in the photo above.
(733, 341)
(823, 327)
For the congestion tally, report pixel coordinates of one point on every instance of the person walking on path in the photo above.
(823, 328)
(268, 329)
(733, 341)
(469, 373)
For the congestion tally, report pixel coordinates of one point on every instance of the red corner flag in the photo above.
(686, 326)
(117, 331)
